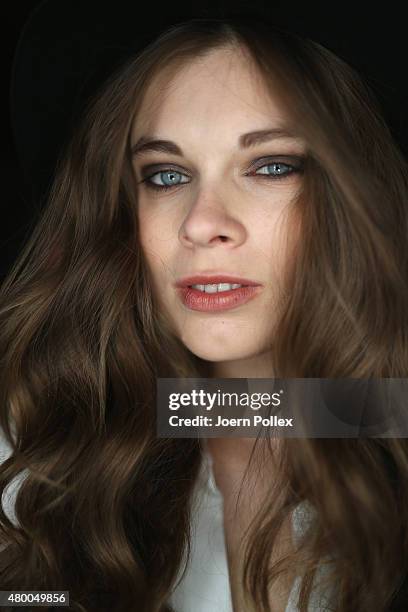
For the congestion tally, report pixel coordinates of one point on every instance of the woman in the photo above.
(314, 213)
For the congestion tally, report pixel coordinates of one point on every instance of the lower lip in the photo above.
(214, 302)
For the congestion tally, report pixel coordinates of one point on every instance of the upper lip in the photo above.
(214, 279)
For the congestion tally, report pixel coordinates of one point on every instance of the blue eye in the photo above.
(278, 170)
(171, 179)
(275, 170)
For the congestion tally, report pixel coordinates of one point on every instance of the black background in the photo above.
(16, 213)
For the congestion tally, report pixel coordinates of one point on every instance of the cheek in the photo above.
(156, 223)
(270, 233)
(150, 246)
(151, 235)
(157, 242)
(276, 236)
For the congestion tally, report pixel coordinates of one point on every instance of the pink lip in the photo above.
(215, 302)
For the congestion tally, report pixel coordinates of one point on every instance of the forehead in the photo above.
(207, 94)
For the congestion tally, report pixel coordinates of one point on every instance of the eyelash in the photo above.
(293, 170)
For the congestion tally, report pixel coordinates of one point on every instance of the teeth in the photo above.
(217, 287)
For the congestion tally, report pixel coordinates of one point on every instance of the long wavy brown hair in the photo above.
(104, 507)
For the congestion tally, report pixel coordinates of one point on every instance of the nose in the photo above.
(209, 223)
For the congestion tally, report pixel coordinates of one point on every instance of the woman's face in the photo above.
(224, 213)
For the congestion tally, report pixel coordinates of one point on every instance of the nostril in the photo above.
(223, 238)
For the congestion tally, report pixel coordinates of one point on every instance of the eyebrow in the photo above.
(148, 143)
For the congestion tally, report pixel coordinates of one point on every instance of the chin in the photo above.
(209, 351)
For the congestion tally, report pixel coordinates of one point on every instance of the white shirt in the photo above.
(205, 586)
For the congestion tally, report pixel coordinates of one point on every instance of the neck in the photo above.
(231, 453)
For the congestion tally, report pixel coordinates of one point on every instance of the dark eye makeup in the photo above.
(281, 170)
